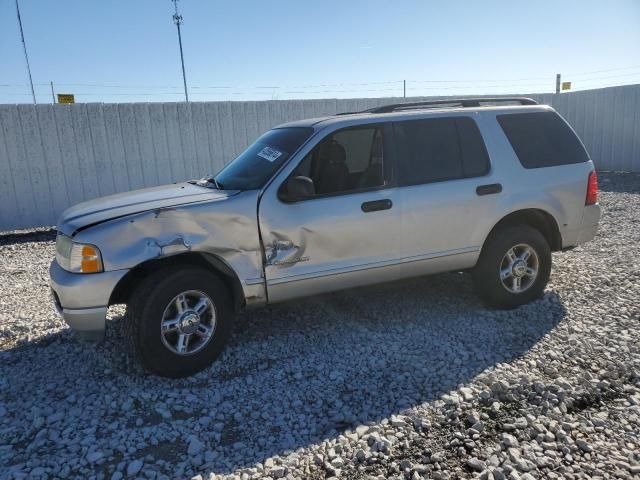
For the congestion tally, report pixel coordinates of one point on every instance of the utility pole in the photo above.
(557, 83)
(26, 57)
(404, 83)
(53, 95)
(177, 19)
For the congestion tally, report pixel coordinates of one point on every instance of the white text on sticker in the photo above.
(269, 153)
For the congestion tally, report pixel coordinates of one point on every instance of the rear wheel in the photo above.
(514, 267)
(178, 320)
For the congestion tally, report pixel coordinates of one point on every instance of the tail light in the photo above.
(592, 189)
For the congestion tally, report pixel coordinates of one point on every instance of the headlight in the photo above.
(77, 257)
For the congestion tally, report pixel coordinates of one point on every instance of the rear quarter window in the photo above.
(542, 139)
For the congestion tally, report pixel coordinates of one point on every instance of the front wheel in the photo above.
(514, 267)
(178, 320)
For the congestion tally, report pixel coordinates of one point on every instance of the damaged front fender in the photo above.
(227, 229)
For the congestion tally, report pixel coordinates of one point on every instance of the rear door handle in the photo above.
(376, 205)
(489, 189)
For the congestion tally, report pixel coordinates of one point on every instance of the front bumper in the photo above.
(83, 299)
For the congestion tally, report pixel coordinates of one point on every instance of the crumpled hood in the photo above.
(106, 208)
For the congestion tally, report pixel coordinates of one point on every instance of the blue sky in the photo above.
(117, 50)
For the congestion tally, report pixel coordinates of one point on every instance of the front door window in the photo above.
(345, 161)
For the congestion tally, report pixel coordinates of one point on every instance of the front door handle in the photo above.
(376, 205)
(489, 189)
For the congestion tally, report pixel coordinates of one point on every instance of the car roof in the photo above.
(368, 117)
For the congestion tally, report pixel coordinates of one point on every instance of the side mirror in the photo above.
(299, 188)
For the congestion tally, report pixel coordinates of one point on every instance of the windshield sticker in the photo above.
(270, 154)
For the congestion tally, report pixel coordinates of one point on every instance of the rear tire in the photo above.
(178, 321)
(513, 268)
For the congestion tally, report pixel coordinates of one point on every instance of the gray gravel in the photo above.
(410, 380)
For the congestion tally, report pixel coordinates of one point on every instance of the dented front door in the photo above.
(329, 243)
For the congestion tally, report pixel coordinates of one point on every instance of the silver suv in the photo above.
(487, 185)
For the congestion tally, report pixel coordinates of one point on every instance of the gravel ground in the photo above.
(409, 380)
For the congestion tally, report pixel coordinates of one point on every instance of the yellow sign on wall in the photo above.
(66, 98)
(566, 85)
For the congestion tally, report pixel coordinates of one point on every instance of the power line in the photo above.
(607, 77)
(212, 86)
(248, 91)
(598, 87)
(100, 85)
(395, 88)
(254, 94)
(489, 86)
(306, 92)
(344, 84)
(603, 71)
(501, 82)
(259, 87)
(480, 81)
(325, 87)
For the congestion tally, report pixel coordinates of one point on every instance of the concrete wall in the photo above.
(53, 156)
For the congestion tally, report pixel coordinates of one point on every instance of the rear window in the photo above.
(438, 149)
(542, 139)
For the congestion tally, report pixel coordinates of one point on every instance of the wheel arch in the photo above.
(211, 262)
(539, 219)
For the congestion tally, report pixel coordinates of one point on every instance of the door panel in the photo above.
(344, 231)
(448, 190)
(444, 217)
(329, 243)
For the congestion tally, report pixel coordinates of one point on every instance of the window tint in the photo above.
(347, 160)
(542, 139)
(438, 149)
(475, 160)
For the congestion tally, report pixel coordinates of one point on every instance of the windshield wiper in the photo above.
(216, 183)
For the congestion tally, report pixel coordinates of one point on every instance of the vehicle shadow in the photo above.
(293, 375)
(621, 182)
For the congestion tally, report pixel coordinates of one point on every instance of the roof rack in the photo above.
(452, 102)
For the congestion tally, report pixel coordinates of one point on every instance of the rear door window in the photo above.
(542, 139)
(438, 149)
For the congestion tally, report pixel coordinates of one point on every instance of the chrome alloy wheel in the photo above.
(188, 322)
(519, 268)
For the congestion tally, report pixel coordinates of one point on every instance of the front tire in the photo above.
(513, 268)
(178, 320)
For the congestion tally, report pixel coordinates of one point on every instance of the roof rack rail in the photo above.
(453, 102)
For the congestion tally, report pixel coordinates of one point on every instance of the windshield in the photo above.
(253, 167)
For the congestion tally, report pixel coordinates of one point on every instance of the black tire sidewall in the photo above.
(153, 353)
(487, 271)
